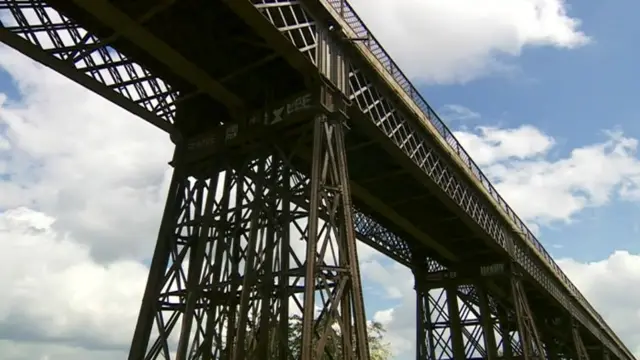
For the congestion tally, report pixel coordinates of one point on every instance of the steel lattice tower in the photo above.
(249, 238)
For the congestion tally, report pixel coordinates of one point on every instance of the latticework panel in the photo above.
(37, 30)
(410, 136)
(244, 251)
(455, 320)
(293, 22)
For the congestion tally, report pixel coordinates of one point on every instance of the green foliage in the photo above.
(379, 349)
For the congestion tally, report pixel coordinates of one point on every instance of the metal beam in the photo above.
(65, 68)
(126, 27)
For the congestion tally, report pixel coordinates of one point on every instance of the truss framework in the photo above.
(460, 317)
(237, 258)
(34, 28)
(412, 127)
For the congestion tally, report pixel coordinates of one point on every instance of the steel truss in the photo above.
(374, 83)
(199, 281)
(37, 30)
(458, 317)
(238, 256)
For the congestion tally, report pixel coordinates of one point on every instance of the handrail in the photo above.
(346, 12)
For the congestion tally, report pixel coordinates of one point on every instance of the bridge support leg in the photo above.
(553, 344)
(488, 322)
(255, 259)
(530, 340)
(505, 330)
(454, 316)
(580, 349)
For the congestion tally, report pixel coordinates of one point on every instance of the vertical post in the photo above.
(487, 322)
(455, 327)
(580, 349)
(338, 287)
(159, 263)
(425, 345)
(529, 338)
(505, 334)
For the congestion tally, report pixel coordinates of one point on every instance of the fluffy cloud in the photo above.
(609, 285)
(455, 112)
(543, 186)
(56, 293)
(521, 167)
(458, 40)
(73, 154)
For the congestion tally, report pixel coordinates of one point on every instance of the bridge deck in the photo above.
(408, 173)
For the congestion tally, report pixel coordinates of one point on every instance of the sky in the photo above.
(539, 92)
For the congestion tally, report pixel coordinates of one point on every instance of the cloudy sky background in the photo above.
(540, 92)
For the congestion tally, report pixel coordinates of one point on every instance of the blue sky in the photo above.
(552, 102)
(572, 95)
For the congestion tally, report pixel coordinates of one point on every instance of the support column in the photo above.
(580, 349)
(530, 341)
(506, 351)
(488, 324)
(432, 342)
(256, 255)
(337, 286)
(454, 319)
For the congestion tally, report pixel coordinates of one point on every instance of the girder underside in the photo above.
(152, 92)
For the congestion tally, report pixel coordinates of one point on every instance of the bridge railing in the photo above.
(362, 32)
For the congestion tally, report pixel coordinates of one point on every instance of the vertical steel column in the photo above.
(149, 308)
(424, 347)
(429, 342)
(454, 317)
(335, 289)
(505, 334)
(488, 326)
(527, 332)
(229, 272)
(455, 327)
(580, 349)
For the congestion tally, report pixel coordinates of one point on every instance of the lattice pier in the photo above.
(257, 239)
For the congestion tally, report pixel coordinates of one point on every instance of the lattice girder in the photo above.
(38, 31)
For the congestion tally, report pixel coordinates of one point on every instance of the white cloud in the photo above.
(543, 184)
(489, 145)
(610, 285)
(55, 292)
(75, 155)
(454, 112)
(544, 189)
(458, 40)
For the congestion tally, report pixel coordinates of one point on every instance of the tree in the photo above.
(378, 348)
